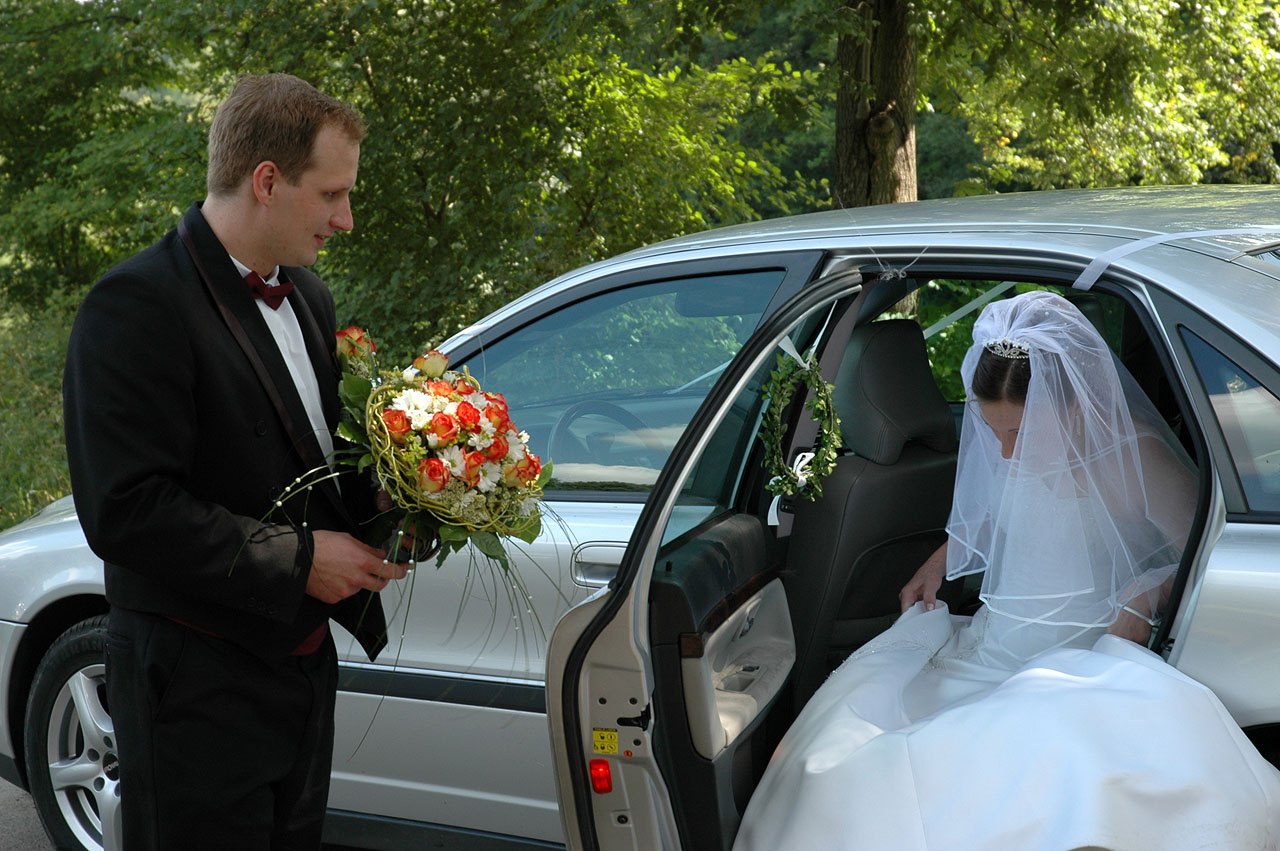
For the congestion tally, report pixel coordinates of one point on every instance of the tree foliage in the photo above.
(504, 147)
(1109, 93)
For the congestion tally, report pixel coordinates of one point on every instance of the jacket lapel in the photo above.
(244, 321)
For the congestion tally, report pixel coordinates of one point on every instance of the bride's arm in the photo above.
(1171, 503)
(926, 582)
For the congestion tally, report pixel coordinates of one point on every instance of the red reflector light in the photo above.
(601, 776)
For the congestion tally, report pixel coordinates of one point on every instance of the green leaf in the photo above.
(545, 476)
(530, 533)
(489, 544)
(449, 533)
(354, 392)
(348, 430)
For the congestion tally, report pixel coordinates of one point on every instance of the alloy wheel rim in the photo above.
(82, 759)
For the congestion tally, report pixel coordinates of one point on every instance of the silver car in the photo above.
(670, 637)
(669, 690)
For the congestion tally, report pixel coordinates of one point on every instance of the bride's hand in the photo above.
(1132, 627)
(925, 584)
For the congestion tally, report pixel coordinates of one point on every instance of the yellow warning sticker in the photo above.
(604, 740)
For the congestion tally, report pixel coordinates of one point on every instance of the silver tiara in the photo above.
(1006, 348)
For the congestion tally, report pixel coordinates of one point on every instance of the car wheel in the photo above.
(71, 759)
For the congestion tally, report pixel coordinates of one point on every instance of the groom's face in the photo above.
(319, 204)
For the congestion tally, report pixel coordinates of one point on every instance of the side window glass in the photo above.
(1249, 415)
(712, 485)
(606, 386)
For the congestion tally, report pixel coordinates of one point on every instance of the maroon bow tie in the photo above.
(273, 297)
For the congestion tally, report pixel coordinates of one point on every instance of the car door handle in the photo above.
(596, 563)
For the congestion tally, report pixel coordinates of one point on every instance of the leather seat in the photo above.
(884, 508)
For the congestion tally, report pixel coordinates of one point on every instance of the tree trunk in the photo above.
(875, 105)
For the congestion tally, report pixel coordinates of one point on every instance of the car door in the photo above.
(1227, 639)
(722, 629)
(448, 729)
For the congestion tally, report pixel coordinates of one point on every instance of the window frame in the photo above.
(798, 269)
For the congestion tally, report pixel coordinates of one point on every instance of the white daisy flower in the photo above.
(452, 456)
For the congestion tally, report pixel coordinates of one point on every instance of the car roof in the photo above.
(1139, 212)
(1222, 222)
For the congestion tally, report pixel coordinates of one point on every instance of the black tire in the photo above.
(72, 768)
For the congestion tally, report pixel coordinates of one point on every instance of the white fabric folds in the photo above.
(903, 749)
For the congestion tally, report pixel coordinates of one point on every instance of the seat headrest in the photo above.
(885, 394)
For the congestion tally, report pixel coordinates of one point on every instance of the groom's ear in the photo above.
(264, 179)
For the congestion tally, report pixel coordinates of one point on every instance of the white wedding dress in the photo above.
(1027, 727)
(909, 746)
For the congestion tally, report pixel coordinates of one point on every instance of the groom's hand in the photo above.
(342, 566)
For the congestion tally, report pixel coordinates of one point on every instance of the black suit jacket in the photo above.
(179, 451)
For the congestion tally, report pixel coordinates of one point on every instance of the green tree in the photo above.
(82, 143)
(1052, 93)
(1121, 92)
(505, 147)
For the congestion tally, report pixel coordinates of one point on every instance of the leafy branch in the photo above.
(781, 388)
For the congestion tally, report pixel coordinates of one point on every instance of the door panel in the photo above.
(740, 671)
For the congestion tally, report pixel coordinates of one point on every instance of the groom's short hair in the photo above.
(273, 117)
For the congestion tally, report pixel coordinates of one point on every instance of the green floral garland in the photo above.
(781, 387)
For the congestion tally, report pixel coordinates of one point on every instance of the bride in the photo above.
(1038, 723)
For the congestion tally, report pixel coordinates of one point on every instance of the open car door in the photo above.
(661, 686)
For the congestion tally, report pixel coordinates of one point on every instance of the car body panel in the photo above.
(1230, 643)
(45, 559)
(492, 771)
(10, 637)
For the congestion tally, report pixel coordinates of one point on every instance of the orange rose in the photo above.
(523, 472)
(464, 387)
(397, 423)
(432, 364)
(497, 414)
(440, 388)
(472, 471)
(354, 340)
(497, 450)
(433, 475)
(444, 427)
(468, 416)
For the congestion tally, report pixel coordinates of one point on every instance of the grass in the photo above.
(33, 460)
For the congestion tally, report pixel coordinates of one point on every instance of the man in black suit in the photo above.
(200, 406)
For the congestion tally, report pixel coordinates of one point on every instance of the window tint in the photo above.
(1249, 415)
(606, 386)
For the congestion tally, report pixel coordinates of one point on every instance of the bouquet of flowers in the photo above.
(444, 450)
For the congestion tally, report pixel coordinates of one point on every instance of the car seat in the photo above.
(883, 509)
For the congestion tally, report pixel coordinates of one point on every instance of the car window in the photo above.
(1249, 415)
(712, 486)
(948, 307)
(605, 386)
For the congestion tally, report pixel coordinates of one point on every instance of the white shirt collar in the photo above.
(272, 280)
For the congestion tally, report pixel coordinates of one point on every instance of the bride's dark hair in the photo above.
(1001, 379)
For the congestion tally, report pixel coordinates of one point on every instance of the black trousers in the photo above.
(219, 748)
